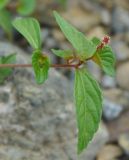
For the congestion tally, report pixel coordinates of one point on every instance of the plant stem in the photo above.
(12, 6)
(30, 65)
(15, 65)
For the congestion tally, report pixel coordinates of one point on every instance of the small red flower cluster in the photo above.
(105, 40)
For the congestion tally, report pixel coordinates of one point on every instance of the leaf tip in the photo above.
(56, 14)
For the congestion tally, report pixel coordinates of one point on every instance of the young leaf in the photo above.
(3, 3)
(30, 29)
(96, 41)
(84, 47)
(41, 65)
(63, 53)
(105, 59)
(88, 101)
(5, 72)
(5, 22)
(26, 7)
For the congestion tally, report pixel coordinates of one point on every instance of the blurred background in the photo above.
(38, 122)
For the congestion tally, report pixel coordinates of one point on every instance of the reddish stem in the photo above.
(30, 65)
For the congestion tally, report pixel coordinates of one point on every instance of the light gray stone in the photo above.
(122, 76)
(117, 95)
(121, 50)
(120, 20)
(95, 70)
(124, 142)
(108, 82)
(38, 122)
(111, 110)
(105, 16)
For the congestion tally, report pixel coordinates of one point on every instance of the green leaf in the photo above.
(96, 41)
(88, 101)
(26, 7)
(5, 22)
(41, 65)
(84, 47)
(30, 29)
(3, 3)
(5, 72)
(105, 59)
(66, 54)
